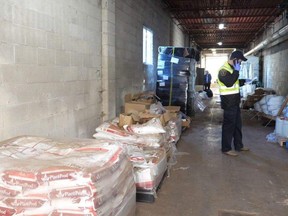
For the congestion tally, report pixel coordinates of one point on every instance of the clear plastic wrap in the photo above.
(153, 126)
(174, 129)
(157, 108)
(272, 137)
(149, 168)
(41, 176)
(110, 131)
(198, 103)
(144, 150)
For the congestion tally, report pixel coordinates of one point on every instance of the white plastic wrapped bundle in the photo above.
(247, 89)
(150, 168)
(264, 109)
(265, 99)
(279, 126)
(275, 101)
(41, 176)
(153, 126)
(285, 112)
(285, 128)
(273, 107)
(273, 112)
(268, 97)
(113, 132)
(274, 104)
(244, 91)
(257, 107)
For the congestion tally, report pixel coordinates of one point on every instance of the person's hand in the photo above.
(237, 65)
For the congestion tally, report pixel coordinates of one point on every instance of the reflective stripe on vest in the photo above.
(224, 90)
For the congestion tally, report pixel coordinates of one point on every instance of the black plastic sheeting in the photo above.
(173, 71)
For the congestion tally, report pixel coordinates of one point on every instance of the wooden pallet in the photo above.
(282, 141)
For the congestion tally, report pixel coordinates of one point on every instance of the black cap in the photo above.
(238, 55)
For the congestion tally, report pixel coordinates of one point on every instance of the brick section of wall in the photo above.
(50, 68)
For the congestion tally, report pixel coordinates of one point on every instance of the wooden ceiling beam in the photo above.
(220, 9)
(183, 18)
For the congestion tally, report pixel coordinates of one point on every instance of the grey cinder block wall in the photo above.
(65, 65)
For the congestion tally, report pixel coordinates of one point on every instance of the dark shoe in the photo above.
(231, 153)
(244, 149)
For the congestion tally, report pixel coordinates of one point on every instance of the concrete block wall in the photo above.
(178, 38)
(275, 64)
(276, 68)
(50, 67)
(131, 15)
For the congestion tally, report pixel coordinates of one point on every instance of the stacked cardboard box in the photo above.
(138, 102)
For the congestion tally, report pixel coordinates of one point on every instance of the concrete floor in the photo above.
(204, 181)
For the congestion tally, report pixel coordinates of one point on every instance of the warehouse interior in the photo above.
(66, 67)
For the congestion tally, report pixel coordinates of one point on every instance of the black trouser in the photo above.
(207, 86)
(231, 129)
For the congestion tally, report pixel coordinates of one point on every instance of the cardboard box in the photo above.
(131, 107)
(259, 91)
(167, 116)
(173, 109)
(254, 98)
(144, 117)
(137, 103)
(125, 120)
(186, 122)
(143, 98)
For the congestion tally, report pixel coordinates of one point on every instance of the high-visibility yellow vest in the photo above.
(224, 90)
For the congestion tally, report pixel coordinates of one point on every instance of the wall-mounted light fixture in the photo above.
(219, 43)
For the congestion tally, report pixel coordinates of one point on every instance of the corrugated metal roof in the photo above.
(243, 19)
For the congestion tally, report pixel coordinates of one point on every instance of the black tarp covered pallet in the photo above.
(173, 71)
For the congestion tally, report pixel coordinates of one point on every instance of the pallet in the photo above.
(149, 196)
(282, 141)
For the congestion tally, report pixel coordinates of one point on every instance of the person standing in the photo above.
(229, 89)
(207, 80)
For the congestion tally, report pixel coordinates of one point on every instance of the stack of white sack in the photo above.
(269, 104)
(149, 165)
(112, 131)
(146, 146)
(153, 126)
(41, 176)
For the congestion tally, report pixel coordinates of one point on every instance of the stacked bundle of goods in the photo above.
(41, 176)
(149, 133)
(173, 75)
(146, 146)
(269, 104)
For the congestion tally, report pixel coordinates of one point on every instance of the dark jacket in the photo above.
(229, 79)
(209, 78)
